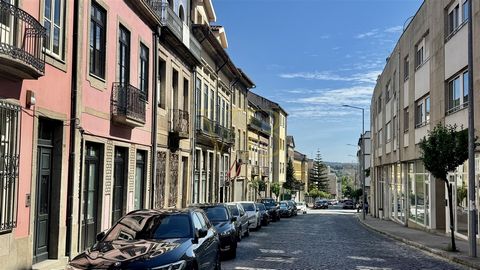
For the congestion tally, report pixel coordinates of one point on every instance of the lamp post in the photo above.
(362, 152)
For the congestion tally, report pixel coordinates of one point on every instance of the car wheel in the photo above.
(232, 253)
(247, 233)
(239, 235)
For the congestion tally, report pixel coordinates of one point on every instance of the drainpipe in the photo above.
(73, 123)
(156, 34)
(194, 130)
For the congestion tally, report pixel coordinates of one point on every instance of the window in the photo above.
(406, 120)
(9, 134)
(234, 97)
(388, 89)
(161, 84)
(406, 70)
(419, 56)
(379, 104)
(380, 138)
(140, 174)
(457, 93)
(453, 20)
(124, 56)
(422, 111)
(212, 101)
(389, 131)
(205, 100)
(53, 23)
(143, 64)
(97, 40)
(465, 11)
(394, 127)
(198, 103)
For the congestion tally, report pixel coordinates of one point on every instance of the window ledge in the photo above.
(420, 125)
(457, 109)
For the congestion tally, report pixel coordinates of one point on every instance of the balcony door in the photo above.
(6, 24)
(123, 56)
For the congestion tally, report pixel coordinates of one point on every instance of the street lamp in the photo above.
(362, 150)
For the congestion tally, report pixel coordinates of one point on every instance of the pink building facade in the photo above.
(35, 118)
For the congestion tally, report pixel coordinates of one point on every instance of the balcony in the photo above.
(225, 134)
(180, 123)
(21, 43)
(265, 171)
(242, 156)
(206, 126)
(170, 20)
(259, 125)
(255, 170)
(128, 105)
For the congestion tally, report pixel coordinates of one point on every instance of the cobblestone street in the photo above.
(327, 239)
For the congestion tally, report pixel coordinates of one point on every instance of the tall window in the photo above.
(457, 93)
(198, 103)
(97, 40)
(212, 104)
(140, 173)
(453, 20)
(205, 100)
(406, 68)
(419, 56)
(422, 111)
(53, 23)
(406, 116)
(379, 104)
(143, 65)
(124, 55)
(389, 131)
(465, 11)
(161, 85)
(388, 89)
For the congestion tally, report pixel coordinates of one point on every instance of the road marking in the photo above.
(359, 267)
(275, 259)
(274, 251)
(365, 259)
(251, 268)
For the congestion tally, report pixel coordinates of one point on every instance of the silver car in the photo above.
(253, 214)
(242, 223)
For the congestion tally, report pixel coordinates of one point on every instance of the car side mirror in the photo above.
(100, 236)
(201, 233)
(234, 219)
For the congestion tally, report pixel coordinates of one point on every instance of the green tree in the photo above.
(275, 189)
(442, 151)
(347, 187)
(314, 192)
(290, 176)
(318, 174)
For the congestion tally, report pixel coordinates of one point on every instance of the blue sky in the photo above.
(312, 56)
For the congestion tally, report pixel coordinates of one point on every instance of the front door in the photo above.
(184, 181)
(90, 225)
(44, 179)
(119, 184)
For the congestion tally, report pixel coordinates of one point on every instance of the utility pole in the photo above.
(472, 209)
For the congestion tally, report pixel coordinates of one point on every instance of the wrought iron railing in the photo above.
(180, 122)
(21, 36)
(259, 125)
(128, 101)
(167, 17)
(255, 170)
(227, 135)
(265, 171)
(9, 160)
(206, 125)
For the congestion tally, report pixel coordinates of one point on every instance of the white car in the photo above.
(253, 215)
(301, 207)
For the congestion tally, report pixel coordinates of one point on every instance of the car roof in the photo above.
(153, 212)
(207, 205)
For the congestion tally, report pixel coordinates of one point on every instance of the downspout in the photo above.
(156, 34)
(194, 131)
(73, 123)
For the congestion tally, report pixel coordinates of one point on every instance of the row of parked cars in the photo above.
(196, 237)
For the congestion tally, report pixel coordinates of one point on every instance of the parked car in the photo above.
(301, 207)
(155, 239)
(253, 215)
(264, 216)
(272, 208)
(224, 222)
(293, 204)
(242, 220)
(321, 204)
(285, 209)
(348, 204)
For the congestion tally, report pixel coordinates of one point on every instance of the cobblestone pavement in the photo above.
(327, 239)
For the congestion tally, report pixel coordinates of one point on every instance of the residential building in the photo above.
(300, 167)
(424, 83)
(35, 122)
(332, 182)
(239, 161)
(214, 135)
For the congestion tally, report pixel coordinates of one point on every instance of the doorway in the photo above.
(119, 180)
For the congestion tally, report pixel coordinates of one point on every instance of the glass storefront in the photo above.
(419, 195)
(459, 181)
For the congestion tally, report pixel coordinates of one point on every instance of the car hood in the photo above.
(222, 226)
(115, 253)
(251, 213)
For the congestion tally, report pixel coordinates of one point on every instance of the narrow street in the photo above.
(327, 239)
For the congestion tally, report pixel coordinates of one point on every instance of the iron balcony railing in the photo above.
(225, 134)
(128, 103)
(180, 122)
(205, 125)
(167, 17)
(259, 125)
(21, 37)
(265, 171)
(255, 170)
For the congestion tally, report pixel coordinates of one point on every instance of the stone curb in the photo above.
(437, 252)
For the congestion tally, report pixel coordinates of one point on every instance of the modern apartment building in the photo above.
(424, 83)
(214, 135)
(35, 122)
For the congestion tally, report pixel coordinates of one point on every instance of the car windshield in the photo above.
(261, 206)
(234, 210)
(248, 206)
(283, 205)
(268, 202)
(164, 226)
(217, 213)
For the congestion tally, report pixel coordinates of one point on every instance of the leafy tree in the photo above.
(275, 189)
(314, 192)
(347, 187)
(318, 174)
(442, 152)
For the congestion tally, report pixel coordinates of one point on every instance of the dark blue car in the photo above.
(159, 239)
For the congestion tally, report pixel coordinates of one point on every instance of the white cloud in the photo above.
(394, 29)
(370, 33)
(367, 77)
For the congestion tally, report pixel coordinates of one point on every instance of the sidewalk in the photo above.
(432, 243)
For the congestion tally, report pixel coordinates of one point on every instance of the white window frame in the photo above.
(424, 111)
(60, 26)
(462, 93)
